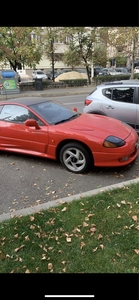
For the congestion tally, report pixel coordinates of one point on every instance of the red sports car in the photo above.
(46, 128)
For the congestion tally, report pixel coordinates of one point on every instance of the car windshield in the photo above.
(40, 73)
(53, 112)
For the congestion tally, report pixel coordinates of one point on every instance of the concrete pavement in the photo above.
(52, 92)
(47, 205)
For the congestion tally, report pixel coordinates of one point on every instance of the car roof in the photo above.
(130, 82)
(26, 100)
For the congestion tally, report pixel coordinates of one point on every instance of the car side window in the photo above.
(16, 114)
(107, 93)
(125, 94)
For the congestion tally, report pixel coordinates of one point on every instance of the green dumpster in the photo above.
(9, 82)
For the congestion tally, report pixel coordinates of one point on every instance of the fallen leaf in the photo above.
(118, 205)
(27, 238)
(27, 271)
(64, 209)
(50, 266)
(85, 224)
(82, 245)
(137, 227)
(68, 239)
(92, 229)
(134, 218)
(137, 251)
(123, 202)
(32, 218)
(17, 249)
(100, 236)
(95, 249)
(101, 246)
(119, 255)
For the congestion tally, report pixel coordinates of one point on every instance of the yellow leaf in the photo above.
(134, 218)
(92, 229)
(95, 249)
(101, 246)
(27, 271)
(16, 235)
(26, 238)
(137, 227)
(64, 209)
(85, 224)
(123, 202)
(50, 266)
(8, 256)
(100, 236)
(63, 262)
(68, 239)
(118, 205)
(137, 251)
(32, 218)
(82, 245)
(32, 227)
(119, 255)
(64, 270)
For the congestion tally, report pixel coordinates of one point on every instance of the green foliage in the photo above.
(18, 48)
(74, 82)
(108, 78)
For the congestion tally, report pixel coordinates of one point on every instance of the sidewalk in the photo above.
(51, 92)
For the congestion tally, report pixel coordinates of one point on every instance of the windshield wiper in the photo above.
(68, 119)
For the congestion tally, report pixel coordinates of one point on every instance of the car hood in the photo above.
(96, 124)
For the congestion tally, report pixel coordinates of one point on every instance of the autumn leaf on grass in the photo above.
(137, 227)
(64, 209)
(27, 271)
(68, 239)
(135, 218)
(100, 236)
(95, 249)
(17, 249)
(137, 251)
(85, 224)
(32, 218)
(50, 266)
(101, 246)
(82, 245)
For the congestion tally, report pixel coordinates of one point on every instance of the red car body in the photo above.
(87, 130)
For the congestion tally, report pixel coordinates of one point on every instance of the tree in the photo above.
(18, 48)
(50, 36)
(81, 46)
(125, 42)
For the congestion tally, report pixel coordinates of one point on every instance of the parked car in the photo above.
(122, 70)
(38, 74)
(50, 74)
(99, 71)
(111, 71)
(136, 69)
(119, 100)
(43, 127)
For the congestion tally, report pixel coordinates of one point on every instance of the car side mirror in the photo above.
(32, 123)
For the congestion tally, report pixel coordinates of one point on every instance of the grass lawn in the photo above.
(97, 234)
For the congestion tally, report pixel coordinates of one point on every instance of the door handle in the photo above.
(109, 107)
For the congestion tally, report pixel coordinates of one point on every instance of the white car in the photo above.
(136, 70)
(38, 74)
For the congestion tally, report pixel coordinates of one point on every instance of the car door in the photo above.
(119, 103)
(15, 135)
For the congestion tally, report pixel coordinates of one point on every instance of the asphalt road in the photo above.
(28, 181)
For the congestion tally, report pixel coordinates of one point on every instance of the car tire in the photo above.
(75, 158)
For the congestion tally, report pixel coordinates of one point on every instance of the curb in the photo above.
(45, 206)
